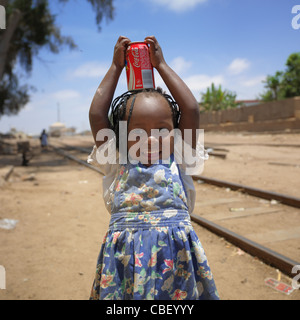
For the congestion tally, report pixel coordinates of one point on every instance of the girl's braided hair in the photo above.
(119, 106)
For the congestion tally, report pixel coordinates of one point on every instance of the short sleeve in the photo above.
(189, 189)
(105, 158)
(190, 160)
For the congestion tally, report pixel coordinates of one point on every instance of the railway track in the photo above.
(262, 223)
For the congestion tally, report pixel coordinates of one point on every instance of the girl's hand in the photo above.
(156, 55)
(120, 52)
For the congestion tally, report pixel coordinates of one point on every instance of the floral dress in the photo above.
(151, 250)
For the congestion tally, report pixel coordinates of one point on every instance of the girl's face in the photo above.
(150, 128)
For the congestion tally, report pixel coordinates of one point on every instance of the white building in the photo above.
(57, 129)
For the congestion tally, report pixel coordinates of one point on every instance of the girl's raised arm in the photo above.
(190, 114)
(103, 97)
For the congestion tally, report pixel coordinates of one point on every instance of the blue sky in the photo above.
(235, 43)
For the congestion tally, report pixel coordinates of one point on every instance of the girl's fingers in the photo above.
(152, 42)
(123, 40)
(119, 51)
(152, 38)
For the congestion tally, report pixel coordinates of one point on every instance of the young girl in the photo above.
(150, 250)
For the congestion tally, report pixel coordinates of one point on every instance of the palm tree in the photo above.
(217, 99)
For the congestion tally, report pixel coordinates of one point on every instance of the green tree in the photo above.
(284, 84)
(273, 86)
(217, 99)
(291, 77)
(30, 27)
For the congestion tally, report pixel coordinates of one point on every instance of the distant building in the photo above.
(248, 103)
(240, 103)
(57, 129)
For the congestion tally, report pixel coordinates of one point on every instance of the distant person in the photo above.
(44, 139)
(151, 250)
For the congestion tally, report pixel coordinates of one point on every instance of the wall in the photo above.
(270, 116)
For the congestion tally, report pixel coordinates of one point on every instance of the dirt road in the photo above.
(61, 221)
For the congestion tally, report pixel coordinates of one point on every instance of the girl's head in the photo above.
(147, 112)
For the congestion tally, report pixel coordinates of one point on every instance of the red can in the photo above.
(139, 69)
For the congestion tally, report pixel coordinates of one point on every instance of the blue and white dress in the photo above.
(150, 250)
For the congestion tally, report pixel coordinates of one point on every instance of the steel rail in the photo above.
(269, 195)
(71, 157)
(270, 257)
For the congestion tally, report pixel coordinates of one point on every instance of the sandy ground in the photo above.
(266, 161)
(52, 251)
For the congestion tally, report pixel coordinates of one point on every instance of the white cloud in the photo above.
(197, 83)
(179, 5)
(29, 107)
(245, 86)
(201, 82)
(180, 65)
(66, 95)
(253, 82)
(238, 66)
(92, 69)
